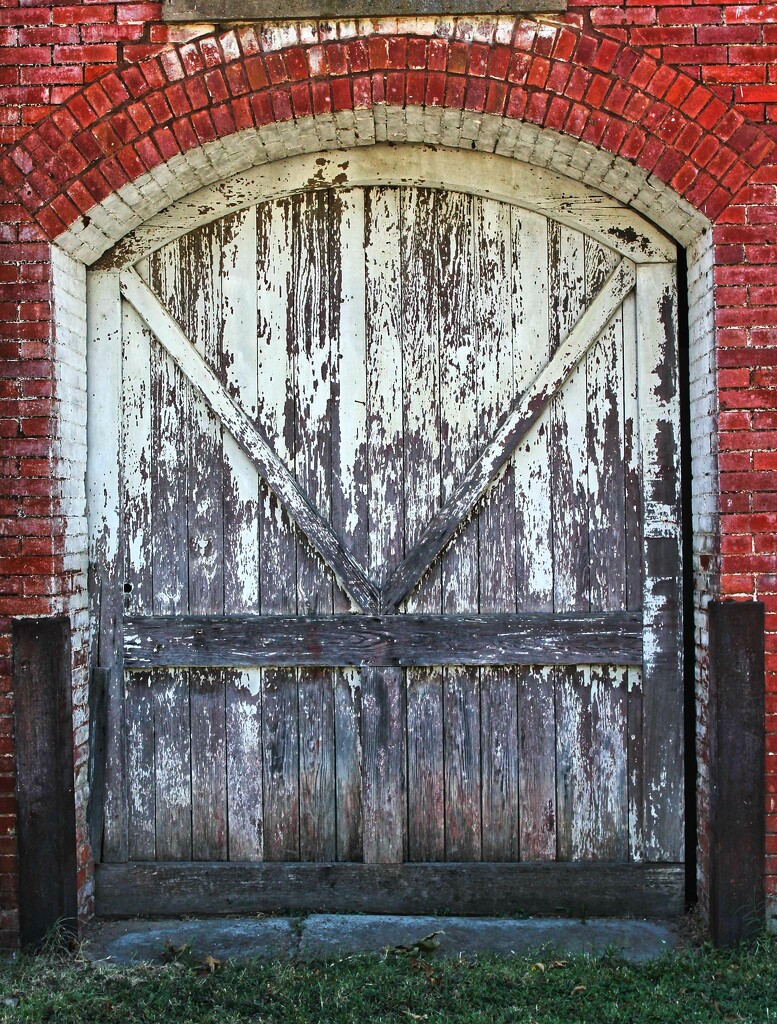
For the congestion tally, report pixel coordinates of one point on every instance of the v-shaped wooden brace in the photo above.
(525, 411)
(523, 414)
(349, 573)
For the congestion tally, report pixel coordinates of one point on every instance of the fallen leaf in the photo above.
(538, 967)
(428, 944)
(578, 989)
(175, 953)
(209, 964)
(428, 970)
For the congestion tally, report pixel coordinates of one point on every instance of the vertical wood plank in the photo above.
(310, 329)
(633, 554)
(459, 563)
(422, 471)
(571, 586)
(608, 778)
(108, 808)
(349, 490)
(496, 528)
(277, 549)
(243, 689)
(43, 729)
(737, 751)
(383, 698)
(169, 502)
(138, 582)
(533, 537)
(662, 675)
(188, 281)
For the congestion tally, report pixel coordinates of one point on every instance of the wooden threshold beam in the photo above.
(593, 889)
(612, 638)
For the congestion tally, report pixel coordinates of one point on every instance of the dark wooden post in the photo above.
(43, 722)
(737, 752)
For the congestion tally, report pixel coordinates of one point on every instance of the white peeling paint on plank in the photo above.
(278, 557)
(420, 398)
(496, 528)
(349, 491)
(459, 357)
(662, 673)
(243, 689)
(103, 484)
(136, 515)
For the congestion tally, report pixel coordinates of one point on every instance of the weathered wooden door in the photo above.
(399, 558)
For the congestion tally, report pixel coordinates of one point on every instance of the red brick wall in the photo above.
(685, 105)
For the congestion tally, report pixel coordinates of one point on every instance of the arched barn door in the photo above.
(399, 552)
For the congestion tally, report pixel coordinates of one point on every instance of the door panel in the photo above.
(377, 337)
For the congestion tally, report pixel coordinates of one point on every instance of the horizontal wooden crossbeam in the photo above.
(613, 638)
(595, 889)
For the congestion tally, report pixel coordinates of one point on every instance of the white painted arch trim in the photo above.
(546, 192)
(546, 160)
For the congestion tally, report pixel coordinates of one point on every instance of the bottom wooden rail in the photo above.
(591, 889)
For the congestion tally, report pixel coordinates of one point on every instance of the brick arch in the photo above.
(111, 155)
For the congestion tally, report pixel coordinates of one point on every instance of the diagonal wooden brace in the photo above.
(527, 408)
(348, 572)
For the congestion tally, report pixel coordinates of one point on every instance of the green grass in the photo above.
(696, 985)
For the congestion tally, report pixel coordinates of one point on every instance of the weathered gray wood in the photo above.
(278, 555)
(419, 392)
(496, 530)
(537, 763)
(384, 773)
(602, 798)
(188, 279)
(243, 689)
(533, 537)
(592, 799)
(383, 698)
(737, 751)
(170, 688)
(263, 10)
(571, 567)
(45, 801)
(454, 244)
(389, 640)
(139, 707)
(250, 439)
(633, 556)
(642, 890)
(662, 676)
(522, 416)
(350, 516)
(100, 685)
(310, 341)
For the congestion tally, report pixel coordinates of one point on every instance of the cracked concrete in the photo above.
(330, 936)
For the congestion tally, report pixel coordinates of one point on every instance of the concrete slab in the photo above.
(329, 935)
(124, 942)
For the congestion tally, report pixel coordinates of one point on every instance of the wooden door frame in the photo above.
(658, 886)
